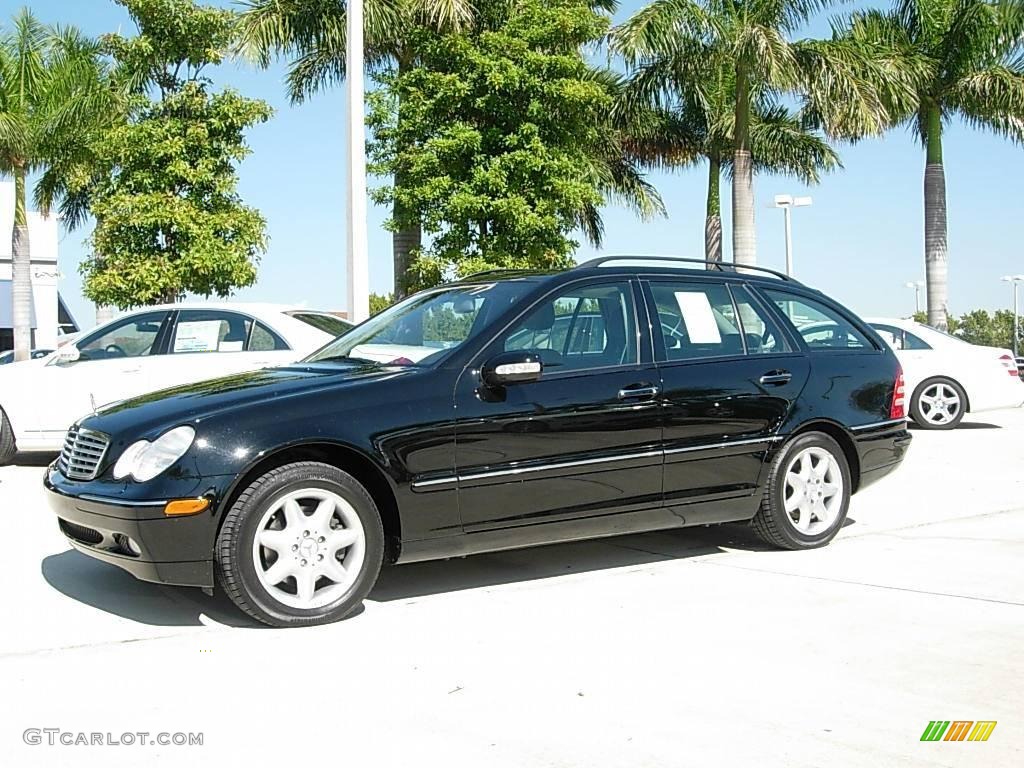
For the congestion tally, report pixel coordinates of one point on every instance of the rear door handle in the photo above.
(776, 377)
(630, 393)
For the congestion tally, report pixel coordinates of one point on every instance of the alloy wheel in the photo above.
(813, 494)
(939, 403)
(309, 548)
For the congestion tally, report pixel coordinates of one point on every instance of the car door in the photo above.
(584, 439)
(110, 367)
(209, 343)
(730, 377)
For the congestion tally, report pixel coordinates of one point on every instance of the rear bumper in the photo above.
(880, 450)
(169, 550)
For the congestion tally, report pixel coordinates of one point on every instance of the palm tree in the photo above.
(311, 33)
(847, 86)
(684, 123)
(51, 88)
(970, 60)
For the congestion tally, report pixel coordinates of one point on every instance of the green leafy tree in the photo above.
(169, 220)
(970, 65)
(676, 124)
(979, 327)
(849, 88)
(499, 137)
(53, 89)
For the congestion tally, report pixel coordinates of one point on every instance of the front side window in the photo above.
(820, 326)
(134, 336)
(200, 330)
(585, 327)
(425, 327)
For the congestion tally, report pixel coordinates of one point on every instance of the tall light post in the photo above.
(356, 241)
(917, 285)
(787, 203)
(1013, 280)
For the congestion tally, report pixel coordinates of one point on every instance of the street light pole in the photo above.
(356, 239)
(917, 285)
(787, 203)
(1013, 280)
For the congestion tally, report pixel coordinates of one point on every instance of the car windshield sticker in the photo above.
(699, 317)
(197, 336)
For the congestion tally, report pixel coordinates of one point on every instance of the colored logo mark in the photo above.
(958, 730)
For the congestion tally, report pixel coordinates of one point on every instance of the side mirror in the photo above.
(512, 368)
(69, 353)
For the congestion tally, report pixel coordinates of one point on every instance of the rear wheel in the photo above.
(808, 494)
(302, 545)
(7, 445)
(938, 404)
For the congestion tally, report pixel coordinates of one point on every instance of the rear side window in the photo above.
(761, 334)
(820, 326)
(201, 330)
(696, 319)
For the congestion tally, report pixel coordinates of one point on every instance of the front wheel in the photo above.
(302, 545)
(938, 404)
(807, 496)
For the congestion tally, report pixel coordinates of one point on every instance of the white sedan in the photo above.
(146, 350)
(946, 377)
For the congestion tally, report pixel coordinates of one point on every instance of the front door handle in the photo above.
(630, 393)
(776, 377)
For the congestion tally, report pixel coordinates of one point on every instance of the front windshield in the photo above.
(424, 327)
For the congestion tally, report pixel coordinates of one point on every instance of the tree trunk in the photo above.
(713, 220)
(21, 257)
(744, 237)
(408, 237)
(935, 228)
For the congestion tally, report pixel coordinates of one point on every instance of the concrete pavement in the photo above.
(695, 647)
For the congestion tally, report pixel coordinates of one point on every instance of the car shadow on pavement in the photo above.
(487, 570)
(112, 590)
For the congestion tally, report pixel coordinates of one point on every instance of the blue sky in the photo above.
(861, 241)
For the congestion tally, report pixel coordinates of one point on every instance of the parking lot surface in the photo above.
(692, 647)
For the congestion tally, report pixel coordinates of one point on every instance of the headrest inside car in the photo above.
(541, 319)
(463, 305)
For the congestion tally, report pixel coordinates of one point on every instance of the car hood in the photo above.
(195, 402)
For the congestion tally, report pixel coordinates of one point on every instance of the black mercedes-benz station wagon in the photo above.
(505, 410)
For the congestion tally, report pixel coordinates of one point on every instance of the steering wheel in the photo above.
(113, 350)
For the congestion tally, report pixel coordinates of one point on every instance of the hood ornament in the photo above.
(92, 402)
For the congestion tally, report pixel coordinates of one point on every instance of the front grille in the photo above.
(79, 532)
(82, 453)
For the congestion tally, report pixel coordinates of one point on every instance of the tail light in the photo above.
(898, 408)
(1009, 364)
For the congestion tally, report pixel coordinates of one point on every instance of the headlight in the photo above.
(144, 460)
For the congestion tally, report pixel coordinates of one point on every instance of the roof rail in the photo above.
(719, 265)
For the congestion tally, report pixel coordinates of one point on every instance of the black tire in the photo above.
(917, 413)
(772, 523)
(236, 570)
(8, 448)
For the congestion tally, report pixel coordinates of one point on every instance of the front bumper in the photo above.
(168, 550)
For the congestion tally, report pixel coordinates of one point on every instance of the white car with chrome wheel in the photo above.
(947, 377)
(148, 350)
